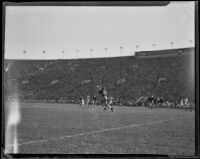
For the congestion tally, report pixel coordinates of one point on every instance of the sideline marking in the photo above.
(97, 131)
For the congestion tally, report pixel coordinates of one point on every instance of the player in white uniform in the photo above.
(88, 100)
(186, 103)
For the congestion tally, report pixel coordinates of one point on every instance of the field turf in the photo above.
(68, 129)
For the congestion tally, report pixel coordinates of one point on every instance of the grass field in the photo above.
(69, 129)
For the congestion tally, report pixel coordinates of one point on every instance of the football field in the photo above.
(68, 129)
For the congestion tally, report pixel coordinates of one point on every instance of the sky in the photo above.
(72, 31)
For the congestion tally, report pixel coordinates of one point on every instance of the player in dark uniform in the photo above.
(161, 101)
(82, 102)
(155, 103)
(150, 102)
(110, 101)
(158, 102)
(94, 100)
(104, 99)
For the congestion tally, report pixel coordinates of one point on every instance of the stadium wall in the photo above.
(165, 53)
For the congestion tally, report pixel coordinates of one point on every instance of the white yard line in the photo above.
(98, 131)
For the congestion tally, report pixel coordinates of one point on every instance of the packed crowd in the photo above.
(126, 79)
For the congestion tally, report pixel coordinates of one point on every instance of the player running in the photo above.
(104, 99)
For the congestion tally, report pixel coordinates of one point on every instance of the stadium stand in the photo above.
(127, 79)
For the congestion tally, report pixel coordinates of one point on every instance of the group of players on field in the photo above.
(104, 100)
(153, 102)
